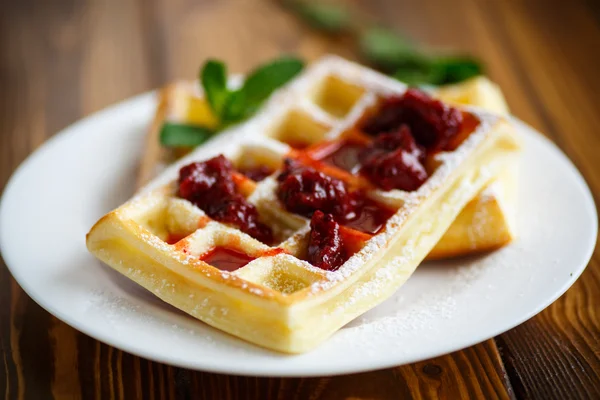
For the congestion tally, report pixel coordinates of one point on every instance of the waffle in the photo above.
(274, 297)
(486, 223)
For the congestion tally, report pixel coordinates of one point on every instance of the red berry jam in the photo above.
(174, 237)
(432, 123)
(367, 215)
(297, 144)
(394, 161)
(325, 245)
(257, 173)
(400, 137)
(209, 185)
(303, 190)
(396, 170)
(345, 156)
(226, 259)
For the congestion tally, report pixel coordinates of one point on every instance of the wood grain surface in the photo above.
(64, 59)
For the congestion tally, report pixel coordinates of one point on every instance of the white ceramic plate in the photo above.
(64, 187)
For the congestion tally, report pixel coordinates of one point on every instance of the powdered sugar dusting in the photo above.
(114, 309)
(423, 314)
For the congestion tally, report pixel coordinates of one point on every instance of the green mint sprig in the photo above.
(183, 135)
(387, 50)
(231, 106)
(324, 16)
(398, 57)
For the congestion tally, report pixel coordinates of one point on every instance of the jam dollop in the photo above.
(209, 186)
(345, 156)
(368, 216)
(432, 123)
(325, 245)
(303, 190)
(257, 173)
(399, 138)
(173, 238)
(394, 160)
(226, 259)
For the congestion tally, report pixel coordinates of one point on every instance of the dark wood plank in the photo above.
(562, 343)
(24, 123)
(45, 54)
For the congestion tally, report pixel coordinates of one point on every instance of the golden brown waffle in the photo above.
(277, 299)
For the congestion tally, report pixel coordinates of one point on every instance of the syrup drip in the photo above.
(226, 259)
(368, 216)
(257, 173)
(345, 156)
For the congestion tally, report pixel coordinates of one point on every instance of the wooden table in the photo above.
(62, 60)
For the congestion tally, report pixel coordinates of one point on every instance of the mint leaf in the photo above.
(394, 54)
(259, 85)
(235, 108)
(324, 16)
(214, 81)
(418, 75)
(387, 49)
(457, 68)
(439, 71)
(264, 80)
(230, 106)
(180, 135)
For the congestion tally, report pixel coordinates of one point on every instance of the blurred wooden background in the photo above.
(64, 59)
